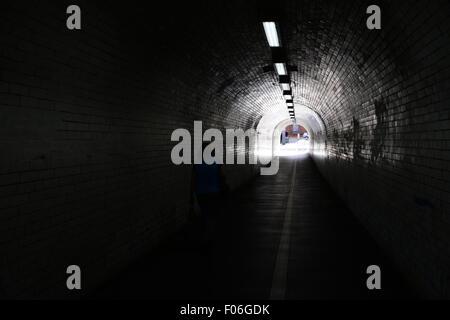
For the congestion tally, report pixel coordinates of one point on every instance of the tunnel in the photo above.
(88, 113)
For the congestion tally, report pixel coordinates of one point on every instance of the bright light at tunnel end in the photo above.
(213, 152)
(300, 148)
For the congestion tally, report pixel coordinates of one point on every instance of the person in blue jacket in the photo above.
(210, 188)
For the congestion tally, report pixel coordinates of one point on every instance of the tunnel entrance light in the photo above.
(281, 69)
(270, 28)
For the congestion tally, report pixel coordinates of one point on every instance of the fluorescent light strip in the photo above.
(270, 29)
(288, 97)
(281, 69)
(285, 86)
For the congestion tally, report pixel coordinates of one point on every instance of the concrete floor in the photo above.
(281, 237)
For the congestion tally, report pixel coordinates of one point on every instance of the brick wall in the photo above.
(86, 119)
(384, 97)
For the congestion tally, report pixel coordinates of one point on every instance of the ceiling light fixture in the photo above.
(270, 28)
(281, 69)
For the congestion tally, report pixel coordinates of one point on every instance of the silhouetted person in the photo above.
(210, 188)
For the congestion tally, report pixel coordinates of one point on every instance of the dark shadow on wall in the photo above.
(351, 141)
(358, 140)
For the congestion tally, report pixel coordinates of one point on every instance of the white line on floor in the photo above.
(278, 290)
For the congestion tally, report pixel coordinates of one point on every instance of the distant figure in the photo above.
(209, 187)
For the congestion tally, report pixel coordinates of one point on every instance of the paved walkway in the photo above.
(283, 237)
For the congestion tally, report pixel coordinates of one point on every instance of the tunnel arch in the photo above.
(270, 126)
